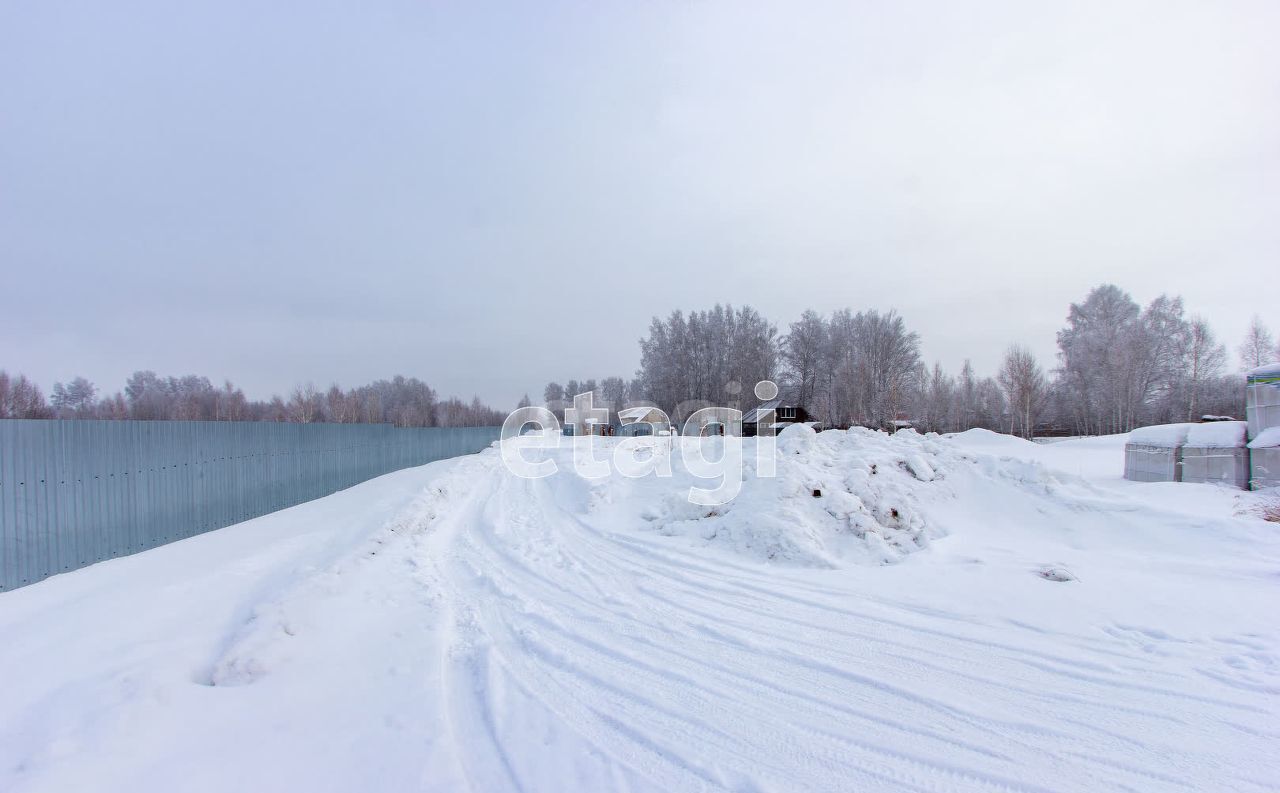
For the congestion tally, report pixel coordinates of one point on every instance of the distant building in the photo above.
(1262, 409)
(784, 413)
(1219, 449)
(643, 420)
(593, 427)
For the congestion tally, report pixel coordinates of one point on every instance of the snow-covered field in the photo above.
(944, 614)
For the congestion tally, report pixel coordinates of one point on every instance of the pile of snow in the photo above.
(837, 497)
(990, 442)
(1267, 439)
(1163, 435)
(1217, 434)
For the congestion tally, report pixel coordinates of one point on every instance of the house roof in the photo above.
(753, 416)
(634, 415)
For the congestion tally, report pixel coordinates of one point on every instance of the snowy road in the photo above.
(456, 628)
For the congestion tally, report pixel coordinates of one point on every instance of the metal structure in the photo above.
(1262, 398)
(1223, 465)
(1154, 454)
(73, 493)
(1144, 463)
(1264, 465)
(1215, 452)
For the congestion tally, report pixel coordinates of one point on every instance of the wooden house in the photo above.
(784, 413)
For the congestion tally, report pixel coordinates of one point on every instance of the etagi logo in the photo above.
(530, 430)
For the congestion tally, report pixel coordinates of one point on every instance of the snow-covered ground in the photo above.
(944, 614)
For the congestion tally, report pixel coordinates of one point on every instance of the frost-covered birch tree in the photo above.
(1258, 347)
(803, 350)
(1204, 358)
(1023, 383)
(1117, 359)
(707, 357)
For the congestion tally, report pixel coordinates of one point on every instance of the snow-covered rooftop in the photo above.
(1267, 439)
(1161, 434)
(754, 415)
(633, 415)
(1218, 434)
(1266, 370)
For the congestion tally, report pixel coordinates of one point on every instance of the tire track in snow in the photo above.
(497, 563)
(652, 670)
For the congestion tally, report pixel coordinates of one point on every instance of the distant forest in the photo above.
(402, 401)
(1119, 366)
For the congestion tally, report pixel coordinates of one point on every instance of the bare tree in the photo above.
(21, 399)
(803, 349)
(936, 405)
(113, 407)
(231, 404)
(340, 407)
(1204, 359)
(1023, 384)
(967, 397)
(193, 398)
(1258, 346)
(992, 406)
(886, 358)
(304, 404)
(709, 357)
(403, 401)
(1118, 360)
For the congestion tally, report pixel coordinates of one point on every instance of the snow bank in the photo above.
(1267, 439)
(1167, 435)
(846, 497)
(838, 497)
(1217, 434)
(988, 441)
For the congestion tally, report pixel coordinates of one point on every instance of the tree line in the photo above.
(401, 401)
(1119, 366)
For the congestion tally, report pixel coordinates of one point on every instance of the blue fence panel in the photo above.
(77, 492)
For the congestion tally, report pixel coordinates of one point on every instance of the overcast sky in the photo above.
(488, 196)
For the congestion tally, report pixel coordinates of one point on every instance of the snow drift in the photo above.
(837, 497)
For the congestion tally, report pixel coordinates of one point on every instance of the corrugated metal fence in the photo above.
(77, 492)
